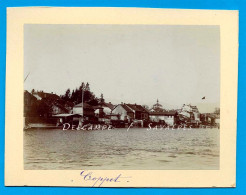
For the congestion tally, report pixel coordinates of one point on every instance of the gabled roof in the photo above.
(133, 107)
(109, 105)
(137, 107)
(125, 108)
(27, 94)
(46, 95)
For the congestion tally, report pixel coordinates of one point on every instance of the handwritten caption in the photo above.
(98, 181)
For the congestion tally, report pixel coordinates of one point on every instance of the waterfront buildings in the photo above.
(190, 112)
(88, 111)
(29, 104)
(129, 112)
(140, 113)
(41, 104)
(104, 109)
(44, 107)
(124, 112)
(167, 117)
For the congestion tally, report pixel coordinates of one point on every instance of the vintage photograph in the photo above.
(121, 97)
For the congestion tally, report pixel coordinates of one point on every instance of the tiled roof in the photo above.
(27, 94)
(46, 95)
(126, 108)
(141, 108)
(137, 107)
(133, 107)
(109, 105)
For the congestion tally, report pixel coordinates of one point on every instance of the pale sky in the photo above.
(127, 63)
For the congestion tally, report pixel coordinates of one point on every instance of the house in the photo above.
(41, 95)
(140, 113)
(107, 107)
(103, 108)
(76, 116)
(29, 104)
(58, 109)
(114, 116)
(168, 117)
(190, 112)
(131, 112)
(67, 118)
(124, 112)
(52, 104)
(88, 110)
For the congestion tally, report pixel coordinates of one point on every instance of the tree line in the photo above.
(75, 96)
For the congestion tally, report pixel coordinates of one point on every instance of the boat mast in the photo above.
(26, 76)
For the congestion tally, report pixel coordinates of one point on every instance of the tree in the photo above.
(76, 95)
(72, 96)
(82, 86)
(67, 95)
(87, 87)
(93, 102)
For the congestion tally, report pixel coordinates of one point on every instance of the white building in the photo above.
(169, 117)
(190, 111)
(124, 112)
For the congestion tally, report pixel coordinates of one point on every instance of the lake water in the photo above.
(121, 149)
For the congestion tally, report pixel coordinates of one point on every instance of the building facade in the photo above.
(190, 112)
(29, 104)
(168, 117)
(124, 113)
(88, 110)
(140, 113)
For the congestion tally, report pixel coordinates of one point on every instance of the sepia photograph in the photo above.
(121, 97)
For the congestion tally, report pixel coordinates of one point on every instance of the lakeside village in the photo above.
(80, 108)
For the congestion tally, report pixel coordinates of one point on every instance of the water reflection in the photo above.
(119, 149)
